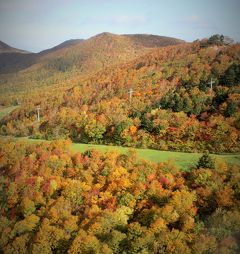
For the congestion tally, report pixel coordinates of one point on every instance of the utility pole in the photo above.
(130, 95)
(211, 84)
(38, 113)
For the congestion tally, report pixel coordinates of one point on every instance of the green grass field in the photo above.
(6, 110)
(182, 160)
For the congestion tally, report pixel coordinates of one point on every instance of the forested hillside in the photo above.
(130, 90)
(119, 142)
(73, 60)
(172, 105)
(55, 201)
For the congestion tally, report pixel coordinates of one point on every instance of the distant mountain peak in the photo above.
(152, 41)
(89, 56)
(105, 34)
(5, 48)
(3, 45)
(64, 44)
(145, 40)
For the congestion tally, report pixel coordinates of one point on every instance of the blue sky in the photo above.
(35, 25)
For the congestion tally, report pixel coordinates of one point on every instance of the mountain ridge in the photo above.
(70, 42)
(67, 43)
(5, 48)
(91, 54)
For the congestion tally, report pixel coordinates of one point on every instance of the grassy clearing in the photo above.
(6, 110)
(182, 160)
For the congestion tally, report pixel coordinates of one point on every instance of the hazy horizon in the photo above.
(35, 26)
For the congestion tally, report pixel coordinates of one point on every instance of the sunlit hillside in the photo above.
(119, 142)
(172, 105)
(76, 59)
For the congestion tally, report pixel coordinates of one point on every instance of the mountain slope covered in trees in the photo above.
(123, 90)
(172, 106)
(73, 59)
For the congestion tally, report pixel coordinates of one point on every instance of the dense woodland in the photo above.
(172, 105)
(55, 201)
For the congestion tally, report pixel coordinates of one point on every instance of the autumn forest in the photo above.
(135, 91)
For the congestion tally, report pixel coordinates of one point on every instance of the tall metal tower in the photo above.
(130, 95)
(211, 84)
(38, 112)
